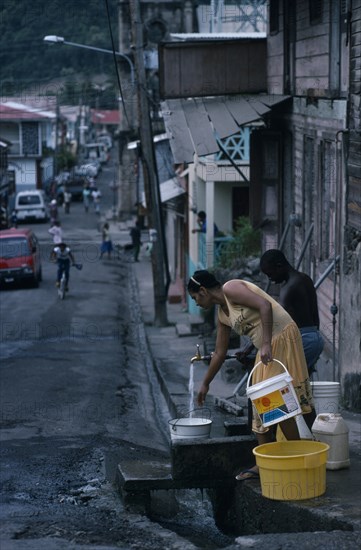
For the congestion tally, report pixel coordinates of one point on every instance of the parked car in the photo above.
(75, 186)
(20, 258)
(31, 206)
(96, 151)
(90, 169)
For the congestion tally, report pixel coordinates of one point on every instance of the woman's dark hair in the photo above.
(202, 278)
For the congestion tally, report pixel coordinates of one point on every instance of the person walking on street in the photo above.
(96, 194)
(135, 235)
(56, 232)
(86, 197)
(107, 245)
(248, 310)
(14, 219)
(53, 210)
(67, 200)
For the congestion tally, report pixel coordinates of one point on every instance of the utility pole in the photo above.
(149, 170)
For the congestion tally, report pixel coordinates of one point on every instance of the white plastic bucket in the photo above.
(326, 396)
(275, 398)
(190, 428)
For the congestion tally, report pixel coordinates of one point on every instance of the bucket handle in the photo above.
(259, 363)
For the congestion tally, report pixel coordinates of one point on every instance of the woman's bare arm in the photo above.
(217, 360)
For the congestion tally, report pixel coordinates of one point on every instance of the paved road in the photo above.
(76, 394)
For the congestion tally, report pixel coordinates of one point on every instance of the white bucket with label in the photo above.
(275, 398)
(326, 396)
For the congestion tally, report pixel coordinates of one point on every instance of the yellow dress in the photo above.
(286, 346)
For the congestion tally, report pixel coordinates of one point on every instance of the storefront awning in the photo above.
(193, 124)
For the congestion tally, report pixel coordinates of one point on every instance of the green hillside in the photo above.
(27, 62)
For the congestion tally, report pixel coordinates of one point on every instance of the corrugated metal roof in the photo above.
(18, 111)
(193, 124)
(169, 189)
(105, 116)
(219, 35)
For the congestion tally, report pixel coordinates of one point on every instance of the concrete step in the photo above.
(196, 463)
(183, 330)
(202, 462)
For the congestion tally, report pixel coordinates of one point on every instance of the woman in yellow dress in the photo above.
(248, 310)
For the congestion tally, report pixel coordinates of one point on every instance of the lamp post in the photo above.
(53, 39)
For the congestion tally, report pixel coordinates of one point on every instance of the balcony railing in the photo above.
(219, 243)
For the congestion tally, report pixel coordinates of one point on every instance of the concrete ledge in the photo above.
(183, 330)
(144, 475)
(210, 459)
(240, 427)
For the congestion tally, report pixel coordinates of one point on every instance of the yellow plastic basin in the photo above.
(292, 470)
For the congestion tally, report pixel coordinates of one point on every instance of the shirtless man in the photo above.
(298, 297)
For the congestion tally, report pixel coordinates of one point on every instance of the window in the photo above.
(3, 158)
(27, 200)
(10, 131)
(270, 160)
(30, 138)
(14, 248)
(273, 17)
(315, 10)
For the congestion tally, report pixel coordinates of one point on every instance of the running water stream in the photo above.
(191, 390)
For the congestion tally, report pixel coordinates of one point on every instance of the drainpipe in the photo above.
(305, 244)
(326, 272)
(293, 220)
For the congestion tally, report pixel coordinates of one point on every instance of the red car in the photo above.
(20, 259)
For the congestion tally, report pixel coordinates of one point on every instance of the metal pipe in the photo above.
(327, 272)
(293, 219)
(305, 244)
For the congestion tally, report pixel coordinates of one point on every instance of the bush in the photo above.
(65, 160)
(246, 242)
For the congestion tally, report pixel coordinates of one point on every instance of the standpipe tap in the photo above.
(198, 356)
(207, 358)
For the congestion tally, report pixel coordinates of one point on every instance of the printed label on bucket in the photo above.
(275, 405)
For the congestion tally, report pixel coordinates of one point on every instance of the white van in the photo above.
(96, 151)
(31, 206)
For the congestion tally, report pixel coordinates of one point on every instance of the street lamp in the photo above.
(53, 39)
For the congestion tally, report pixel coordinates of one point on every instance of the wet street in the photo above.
(76, 398)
